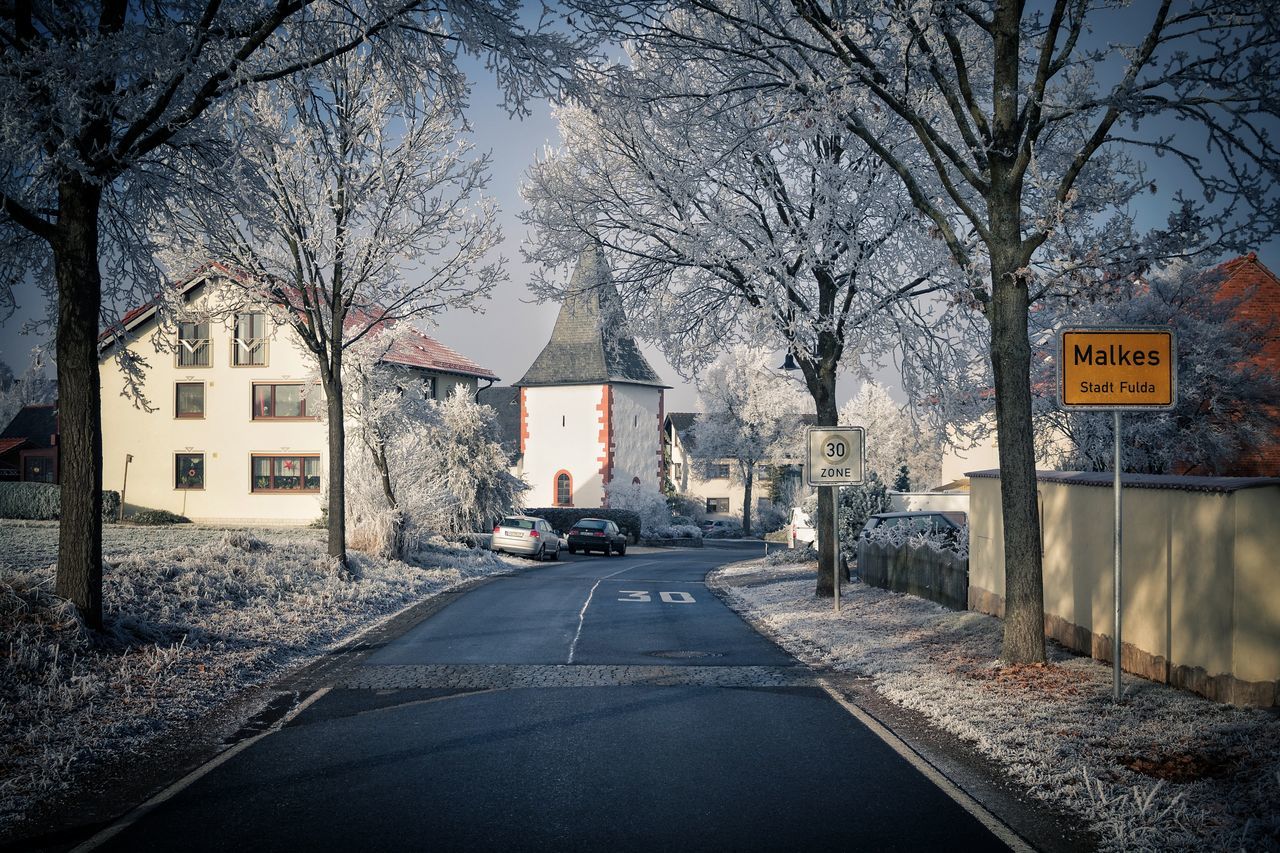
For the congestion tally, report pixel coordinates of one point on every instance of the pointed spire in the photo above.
(590, 343)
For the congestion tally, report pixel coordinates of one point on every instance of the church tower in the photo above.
(590, 405)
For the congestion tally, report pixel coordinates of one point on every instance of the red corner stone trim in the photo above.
(605, 408)
(524, 423)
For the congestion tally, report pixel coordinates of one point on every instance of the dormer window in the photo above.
(194, 346)
(249, 347)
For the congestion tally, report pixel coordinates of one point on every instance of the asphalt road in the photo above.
(592, 704)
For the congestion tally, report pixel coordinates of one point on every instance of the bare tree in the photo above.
(733, 217)
(1014, 129)
(94, 97)
(750, 415)
(352, 205)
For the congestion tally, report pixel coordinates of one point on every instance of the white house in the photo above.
(234, 433)
(718, 482)
(588, 412)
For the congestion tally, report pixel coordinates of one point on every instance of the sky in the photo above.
(513, 328)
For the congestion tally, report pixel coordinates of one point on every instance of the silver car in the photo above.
(524, 534)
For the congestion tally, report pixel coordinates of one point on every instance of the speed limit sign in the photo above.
(835, 456)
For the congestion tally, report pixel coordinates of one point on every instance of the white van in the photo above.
(801, 529)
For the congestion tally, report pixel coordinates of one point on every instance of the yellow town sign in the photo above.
(1117, 368)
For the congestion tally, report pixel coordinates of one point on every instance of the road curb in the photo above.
(972, 780)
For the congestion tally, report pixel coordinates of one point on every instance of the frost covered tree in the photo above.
(1016, 129)
(31, 388)
(894, 437)
(1226, 402)
(96, 97)
(732, 213)
(351, 204)
(416, 466)
(750, 416)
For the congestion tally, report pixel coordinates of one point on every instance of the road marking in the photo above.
(194, 776)
(676, 597)
(635, 595)
(582, 614)
(997, 827)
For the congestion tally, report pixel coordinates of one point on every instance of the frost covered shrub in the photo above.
(418, 467)
(730, 529)
(674, 531)
(688, 506)
(770, 519)
(787, 556)
(645, 501)
(857, 504)
(563, 517)
(901, 535)
(154, 517)
(43, 502)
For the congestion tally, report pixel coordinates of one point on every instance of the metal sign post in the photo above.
(835, 457)
(1117, 370)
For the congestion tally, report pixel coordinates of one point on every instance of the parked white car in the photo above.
(524, 534)
(802, 530)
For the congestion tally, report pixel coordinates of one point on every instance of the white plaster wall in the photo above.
(563, 424)
(637, 434)
(227, 435)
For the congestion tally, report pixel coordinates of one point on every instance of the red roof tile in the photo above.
(7, 444)
(419, 350)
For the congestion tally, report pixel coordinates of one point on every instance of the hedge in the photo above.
(43, 502)
(563, 517)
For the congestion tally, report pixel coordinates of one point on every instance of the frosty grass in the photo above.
(1165, 770)
(193, 615)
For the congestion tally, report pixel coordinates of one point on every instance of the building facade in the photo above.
(588, 412)
(233, 431)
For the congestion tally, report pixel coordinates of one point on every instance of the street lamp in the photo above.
(789, 363)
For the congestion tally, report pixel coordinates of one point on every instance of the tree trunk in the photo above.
(337, 462)
(75, 249)
(1011, 362)
(746, 500)
(1011, 352)
(823, 391)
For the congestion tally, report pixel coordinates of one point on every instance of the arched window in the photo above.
(635, 481)
(564, 489)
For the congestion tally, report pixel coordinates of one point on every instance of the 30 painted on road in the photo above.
(1117, 368)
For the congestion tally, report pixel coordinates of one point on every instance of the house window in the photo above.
(677, 471)
(718, 471)
(279, 400)
(188, 471)
(430, 389)
(564, 489)
(188, 400)
(250, 346)
(717, 504)
(194, 346)
(285, 473)
(38, 468)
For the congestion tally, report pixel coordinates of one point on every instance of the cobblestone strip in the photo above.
(491, 676)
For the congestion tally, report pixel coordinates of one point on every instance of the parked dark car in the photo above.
(597, 534)
(947, 524)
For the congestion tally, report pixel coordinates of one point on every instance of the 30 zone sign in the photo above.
(835, 456)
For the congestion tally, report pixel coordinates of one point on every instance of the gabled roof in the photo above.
(682, 423)
(590, 344)
(415, 350)
(34, 425)
(422, 351)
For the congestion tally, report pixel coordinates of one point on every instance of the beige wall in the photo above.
(1201, 583)
(227, 435)
(564, 425)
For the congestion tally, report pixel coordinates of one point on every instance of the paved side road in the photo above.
(595, 703)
